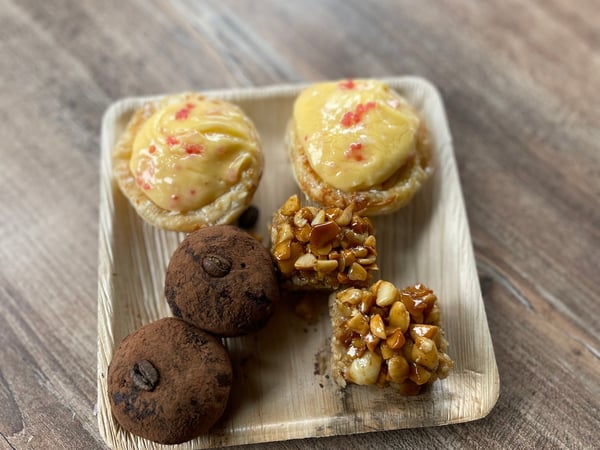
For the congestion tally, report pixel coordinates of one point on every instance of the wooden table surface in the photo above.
(520, 81)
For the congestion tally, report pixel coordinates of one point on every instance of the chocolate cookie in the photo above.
(169, 382)
(222, 280)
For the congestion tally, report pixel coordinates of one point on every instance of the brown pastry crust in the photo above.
(224, 209)
(238, 297)
(391, 195)
(189, 391)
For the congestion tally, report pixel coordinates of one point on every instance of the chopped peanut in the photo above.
(396, 340)
(326, 265)
(386, 293)
(291, 205)
(365, 370)
(398, 369)
(425, 353)
(377, 326)
(381, 337)
(308, 261)
(322, 248)
(399, 316)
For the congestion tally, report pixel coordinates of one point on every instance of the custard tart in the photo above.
(188, 161)
(358, 142)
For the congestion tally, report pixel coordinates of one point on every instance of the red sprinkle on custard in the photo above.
(184, 113)
(354, 117)
(348, 119)
(355, 152)
(172, 140)
(194, 149)
(151, 149)
(348, 84)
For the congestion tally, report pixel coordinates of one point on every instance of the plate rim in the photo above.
(106, 234)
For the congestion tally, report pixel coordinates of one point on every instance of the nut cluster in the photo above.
(322, 248)
(388, 336)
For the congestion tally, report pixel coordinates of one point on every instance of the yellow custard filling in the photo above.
(191, 151)
(356, 133)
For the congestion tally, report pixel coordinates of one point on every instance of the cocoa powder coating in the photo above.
(222, 280)
(169, 382)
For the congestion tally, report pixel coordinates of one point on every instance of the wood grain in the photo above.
(519, 81)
